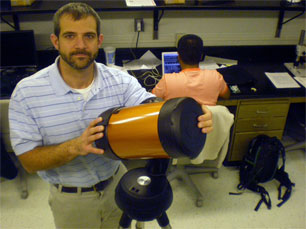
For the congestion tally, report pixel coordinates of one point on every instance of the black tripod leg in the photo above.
(163, 221)
(125, 221)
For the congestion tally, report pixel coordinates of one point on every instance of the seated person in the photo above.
(205, 86)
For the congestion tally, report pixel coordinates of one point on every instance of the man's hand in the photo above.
(53, 156)
(89, 136)
(205, 120)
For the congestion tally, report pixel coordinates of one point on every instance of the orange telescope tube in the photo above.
(153, 130)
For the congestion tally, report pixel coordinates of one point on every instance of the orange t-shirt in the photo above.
(204, 86)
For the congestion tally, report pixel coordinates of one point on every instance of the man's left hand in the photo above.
(205, 120)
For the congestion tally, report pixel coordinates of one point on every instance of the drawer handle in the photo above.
(260, 125)
(261, 112)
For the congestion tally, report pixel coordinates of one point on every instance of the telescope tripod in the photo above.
(125, 220)
(144, 194)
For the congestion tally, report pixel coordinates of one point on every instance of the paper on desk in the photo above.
(301, 80)
(208, 65)
(140, 3)
(211, 62)
(221, 61)
(282, 80)
(146, 61)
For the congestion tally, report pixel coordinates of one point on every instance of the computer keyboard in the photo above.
(10, 77)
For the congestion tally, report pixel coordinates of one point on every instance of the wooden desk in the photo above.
(254, 117)
(261, 113)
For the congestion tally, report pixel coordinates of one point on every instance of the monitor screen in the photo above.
(170, 62)
(18, 49)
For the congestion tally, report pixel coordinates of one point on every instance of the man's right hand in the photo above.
(52, 156)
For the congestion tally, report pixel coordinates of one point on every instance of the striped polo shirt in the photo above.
(44, 110)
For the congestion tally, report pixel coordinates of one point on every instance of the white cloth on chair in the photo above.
(217, 141)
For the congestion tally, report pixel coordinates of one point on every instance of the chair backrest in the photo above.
(5, 130)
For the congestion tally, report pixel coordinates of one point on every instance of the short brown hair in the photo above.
(77, 11)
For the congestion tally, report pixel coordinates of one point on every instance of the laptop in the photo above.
(170, 62)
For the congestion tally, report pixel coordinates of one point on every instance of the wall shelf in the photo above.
(49, 7)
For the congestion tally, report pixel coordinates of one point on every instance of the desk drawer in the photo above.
(263, 110)
(269, 123)
(242, 140)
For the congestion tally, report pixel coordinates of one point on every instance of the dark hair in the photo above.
(77, 11)
(190, 49)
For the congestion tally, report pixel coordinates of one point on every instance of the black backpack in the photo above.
(261, 164)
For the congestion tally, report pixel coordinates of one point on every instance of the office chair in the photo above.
(212, 155)
(295, 127)
(4, 103)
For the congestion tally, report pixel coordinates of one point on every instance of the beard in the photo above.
(79, 63)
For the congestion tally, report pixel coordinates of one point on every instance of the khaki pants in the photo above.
(87, 209)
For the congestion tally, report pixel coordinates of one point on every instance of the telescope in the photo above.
(155, 131)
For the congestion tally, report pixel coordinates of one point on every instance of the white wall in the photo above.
(217, 28)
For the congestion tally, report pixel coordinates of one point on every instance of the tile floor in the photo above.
(220, 210)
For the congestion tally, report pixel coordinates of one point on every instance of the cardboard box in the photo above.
(21, 2)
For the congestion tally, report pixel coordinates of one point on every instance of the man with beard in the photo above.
(53, 122)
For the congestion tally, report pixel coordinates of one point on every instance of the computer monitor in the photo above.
(170, 62)
(18, 49)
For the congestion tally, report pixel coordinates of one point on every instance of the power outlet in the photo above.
(139, 25)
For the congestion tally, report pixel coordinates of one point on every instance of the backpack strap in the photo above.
(283, 178)
(284, 181)
(283, 154)
(265, 197)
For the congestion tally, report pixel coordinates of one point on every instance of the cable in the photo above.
(145, 77)
(131, 50)
(134, 56)
(137, 39)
